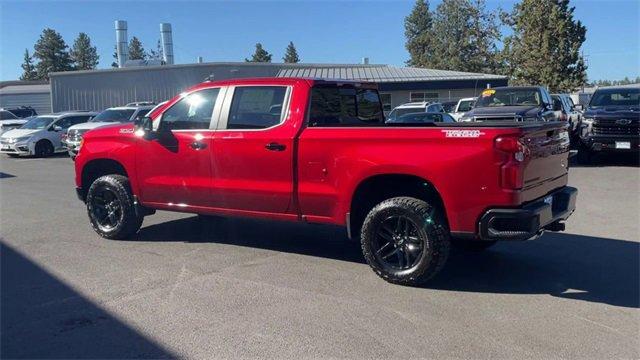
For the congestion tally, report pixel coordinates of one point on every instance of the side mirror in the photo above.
(56, 128)
(578, 107)
(144, 124)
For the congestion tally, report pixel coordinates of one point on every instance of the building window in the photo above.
(386, 102)
(423, 96)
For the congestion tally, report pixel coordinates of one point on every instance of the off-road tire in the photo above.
(433, 233)
(128, 222)
(472, 245)
(43, 148)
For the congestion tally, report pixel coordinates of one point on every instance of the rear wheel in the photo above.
(405, 240)
(44, 148)
(111, 207)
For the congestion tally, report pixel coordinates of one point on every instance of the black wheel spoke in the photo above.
(398, 243)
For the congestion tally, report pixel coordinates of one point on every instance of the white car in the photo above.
(415, 107)
(462, 107)
(129, 113)
(41, 135)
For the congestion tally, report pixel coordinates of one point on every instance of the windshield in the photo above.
(423, 117)
(616, 97)
(5, 115)
(449, 106)
(38, 123)
(397, 112)
(114, 115)
(509, 97)
(466, 105)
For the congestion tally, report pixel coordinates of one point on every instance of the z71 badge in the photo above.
(462, 133)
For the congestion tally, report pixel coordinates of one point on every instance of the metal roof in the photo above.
(25, 89)
(381, 73)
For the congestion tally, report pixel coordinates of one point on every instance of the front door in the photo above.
(174, 162)
(252, 160)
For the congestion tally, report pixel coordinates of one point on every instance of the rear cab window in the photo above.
(344, 105)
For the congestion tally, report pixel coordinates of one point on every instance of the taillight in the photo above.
(515, 152)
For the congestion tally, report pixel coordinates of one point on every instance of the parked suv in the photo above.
(566, 111)
(512, 103)
(611, 122)
(123, 114)
(22, 111)
(414, 107)
(319, 151)
(41, 135)
(9, 121)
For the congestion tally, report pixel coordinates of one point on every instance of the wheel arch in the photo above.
(96, 168)
(377, 188)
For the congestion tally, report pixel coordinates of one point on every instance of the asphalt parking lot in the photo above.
(241, 288)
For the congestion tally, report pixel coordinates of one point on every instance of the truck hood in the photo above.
(91, 125)
(112, 129)
(613, 113)
(523, 111)
(16, 133)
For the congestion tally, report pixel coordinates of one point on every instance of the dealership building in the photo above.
(100, 89)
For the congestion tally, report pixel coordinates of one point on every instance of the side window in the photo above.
(386, 101)
(335, 106)
(67, 122)
(193, 111)
(256, 107)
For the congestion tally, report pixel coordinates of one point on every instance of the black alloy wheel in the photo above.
(397, 244)
(107, 209)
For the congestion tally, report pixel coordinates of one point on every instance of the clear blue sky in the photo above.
(323, 32)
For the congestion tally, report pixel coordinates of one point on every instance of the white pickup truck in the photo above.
(463, 105)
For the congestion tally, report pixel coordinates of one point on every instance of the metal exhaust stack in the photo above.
(167, 43)
(122, 46)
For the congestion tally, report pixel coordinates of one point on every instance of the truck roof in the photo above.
(279, 81)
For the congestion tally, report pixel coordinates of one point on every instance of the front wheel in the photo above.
(111, 207)
(405, 240)
(44, 148)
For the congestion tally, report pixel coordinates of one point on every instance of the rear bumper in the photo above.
(528, 221)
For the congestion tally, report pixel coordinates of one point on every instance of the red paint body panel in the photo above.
(318, 172)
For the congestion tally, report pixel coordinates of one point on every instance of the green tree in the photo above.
(115, 57)
(260, 55)
(419, 35)
(291, 54)
(51, 52)
(545, 45)
(157, 54)
(84, 56)
(136, 50)
(28, 69)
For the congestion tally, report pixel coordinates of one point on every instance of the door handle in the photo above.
(273, 146)
(197, 145)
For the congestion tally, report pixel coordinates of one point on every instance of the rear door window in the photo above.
(345, 106)
(257, 107)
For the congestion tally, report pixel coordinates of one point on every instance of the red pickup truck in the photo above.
(320, 152)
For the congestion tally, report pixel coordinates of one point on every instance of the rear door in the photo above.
(252, 160)
(174, 164)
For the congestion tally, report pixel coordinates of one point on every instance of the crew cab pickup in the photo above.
(320, 151)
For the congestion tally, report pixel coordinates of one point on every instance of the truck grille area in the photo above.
(610, 127)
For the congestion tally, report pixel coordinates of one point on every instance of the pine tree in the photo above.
(84, 56)
(51, 52)
(115, 57)
(291, 54)
(465, 36)
(545, 45)
(260, 55)
(419, 35)
(28, 69)
(136, 51)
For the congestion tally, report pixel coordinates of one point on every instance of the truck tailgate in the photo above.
(547, 158)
